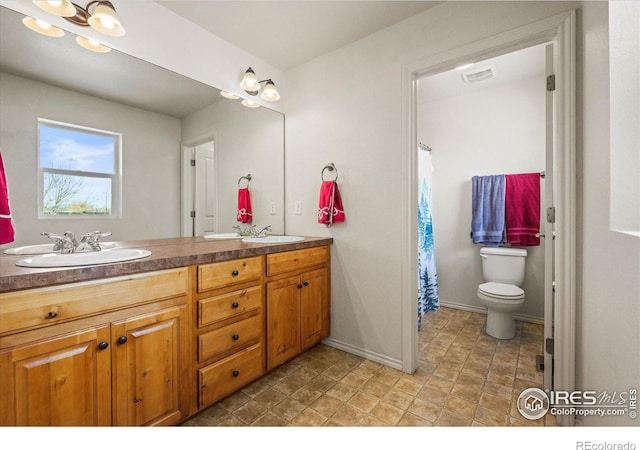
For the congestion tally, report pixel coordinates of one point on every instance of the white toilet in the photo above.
(503, 271)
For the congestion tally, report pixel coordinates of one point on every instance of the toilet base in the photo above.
(500, 325)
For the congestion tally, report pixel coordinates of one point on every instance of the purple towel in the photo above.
(487, 210)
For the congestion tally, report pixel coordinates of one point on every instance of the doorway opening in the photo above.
(199, 189)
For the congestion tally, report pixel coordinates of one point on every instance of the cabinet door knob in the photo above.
(306, 283)
(122, 340)
(50, 315)
(234, 305)
(235, 273)
(103, 345)
(235, 337)
(235, 373)
(299, 286)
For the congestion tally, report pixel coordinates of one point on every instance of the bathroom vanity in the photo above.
(155, 340)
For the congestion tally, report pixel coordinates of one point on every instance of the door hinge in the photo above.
(551, 83)
(193, 162)
(193, 214)
(548, 346)
(551, 214)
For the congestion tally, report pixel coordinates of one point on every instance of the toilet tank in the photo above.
(503, 264)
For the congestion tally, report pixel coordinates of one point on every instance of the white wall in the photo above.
(608, 338)
(497, 130)
(247, 141)
(353, 118)
(150, 160)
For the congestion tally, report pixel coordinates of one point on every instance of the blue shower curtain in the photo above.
(427, 275)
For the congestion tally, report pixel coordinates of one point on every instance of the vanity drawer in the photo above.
(47, 306)
(227, 273)
(221, 307)
(230, 338)
(296, 259)
(226, 376)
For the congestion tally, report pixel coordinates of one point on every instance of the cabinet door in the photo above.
(283, 320)
(313, 307)
(62, 381)
(146, 356)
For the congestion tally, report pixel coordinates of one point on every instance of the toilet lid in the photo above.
(501, 290)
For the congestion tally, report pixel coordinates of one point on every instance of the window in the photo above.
(78, 171)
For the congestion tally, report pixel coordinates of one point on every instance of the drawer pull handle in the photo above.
(122, 340)
(235, 273)
(234, 305)
(235, 373)
(235, 337)
(103, 345)
(299, 286)
(306, 283)
(51, 315)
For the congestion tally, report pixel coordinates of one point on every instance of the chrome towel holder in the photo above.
(331, 167)
(246, 177)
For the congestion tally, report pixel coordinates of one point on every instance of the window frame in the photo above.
(116, 177)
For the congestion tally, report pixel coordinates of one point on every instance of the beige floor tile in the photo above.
(371, 421)
(450, 419)
(288, 409)
(269, 420)
(387, 413)
(306, 395)
(326, 405)
(407, 386)
(270, 397)
(411, 420)
(349, 416)
(250, 411)
(375, 388)
(309, 418)
(425, 410)
(363, 402)
(460, 407)
(342, 392)
(399, 398)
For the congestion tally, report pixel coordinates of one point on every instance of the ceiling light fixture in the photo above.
(250, 104)
(99, 15)
(229, 95)
(42, 27)
(251, 86)
(92, 45)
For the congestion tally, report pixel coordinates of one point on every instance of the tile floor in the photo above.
(464, 378)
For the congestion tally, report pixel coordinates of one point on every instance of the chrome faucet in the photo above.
(67, 242)
(249, 230)
(262, 232)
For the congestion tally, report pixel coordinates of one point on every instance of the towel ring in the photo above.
(247, 177)
(330, 167)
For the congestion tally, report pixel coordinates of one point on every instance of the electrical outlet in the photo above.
(272, 211)
(298, 207)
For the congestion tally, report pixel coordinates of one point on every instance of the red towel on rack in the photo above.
(244, 206)
(522, 209)
(330, 209)
(7, 232)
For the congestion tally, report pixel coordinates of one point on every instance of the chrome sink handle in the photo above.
(65, 243)
(89, 242)
(262, 232)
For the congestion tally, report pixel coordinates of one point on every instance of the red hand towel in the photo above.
(522, 209)
(7, 232)
(330, 209)
(244, 205)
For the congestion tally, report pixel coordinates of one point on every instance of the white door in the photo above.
(204, 195)
(549, 228)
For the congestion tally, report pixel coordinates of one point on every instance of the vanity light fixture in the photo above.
(42, 27)
(250, 104)
(251, 86)
(99, 15)
(92, 45)
(229, 95)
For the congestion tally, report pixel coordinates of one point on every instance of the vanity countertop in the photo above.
(165, 254)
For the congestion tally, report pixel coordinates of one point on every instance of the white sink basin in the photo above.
(273, 239)
(83, 259)
(40, 249)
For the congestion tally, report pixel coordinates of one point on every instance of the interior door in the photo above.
(548, 218)
(204, 197)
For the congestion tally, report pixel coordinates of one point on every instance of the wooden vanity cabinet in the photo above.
(298, 302)
(106, 352)
(229, 335)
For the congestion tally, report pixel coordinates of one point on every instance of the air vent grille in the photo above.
(477, 75)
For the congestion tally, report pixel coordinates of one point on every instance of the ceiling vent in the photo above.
(476, 75)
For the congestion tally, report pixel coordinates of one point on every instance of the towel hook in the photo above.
(247, 177)
(330, 167)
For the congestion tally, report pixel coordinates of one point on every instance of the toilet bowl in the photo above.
(503, 271)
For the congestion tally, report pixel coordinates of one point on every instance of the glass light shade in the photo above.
(62, 8)
(250, 104)
(250, 83)
(42, 27)
(229, 95)
(92, 45)
(270, 93)
(104, 20)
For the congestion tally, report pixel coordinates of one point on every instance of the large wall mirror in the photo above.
(164, 121)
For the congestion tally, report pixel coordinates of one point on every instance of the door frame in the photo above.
(560, 30)
(186, 179)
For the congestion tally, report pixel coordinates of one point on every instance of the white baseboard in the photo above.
(363, 352)
(481, 310)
